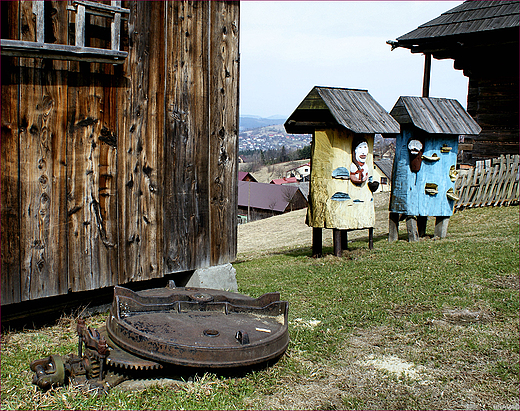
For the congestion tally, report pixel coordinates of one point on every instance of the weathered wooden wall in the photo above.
(119, 173)
(493, 103)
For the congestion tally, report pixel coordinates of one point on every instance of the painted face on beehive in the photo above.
(361, 152)
(415, 149)
(415, 146)
(358, 168)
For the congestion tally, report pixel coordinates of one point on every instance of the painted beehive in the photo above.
(425, 162)
(343, 123)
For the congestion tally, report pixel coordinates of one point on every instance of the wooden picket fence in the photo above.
(490, 183)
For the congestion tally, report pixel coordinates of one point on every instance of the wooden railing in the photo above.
(39, 49)
(490, 183)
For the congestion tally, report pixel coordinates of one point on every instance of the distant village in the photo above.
(271, 137)
(274, 137)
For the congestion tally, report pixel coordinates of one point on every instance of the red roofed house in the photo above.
(285, 180)
(260, 200)
(245, 176)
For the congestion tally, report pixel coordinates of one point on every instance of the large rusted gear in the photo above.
(125, 360)
(163, 329)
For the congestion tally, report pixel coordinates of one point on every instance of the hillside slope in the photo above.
(289, 231)
(267, 173)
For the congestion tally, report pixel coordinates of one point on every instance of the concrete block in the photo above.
(219, 277)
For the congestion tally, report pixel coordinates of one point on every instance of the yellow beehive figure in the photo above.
(340, 196)
(343, 123)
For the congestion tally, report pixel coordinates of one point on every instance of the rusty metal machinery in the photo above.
(171, 328)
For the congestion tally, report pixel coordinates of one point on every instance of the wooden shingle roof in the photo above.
(473, 23)
(469, 17)
(328, 107)
(434, 115)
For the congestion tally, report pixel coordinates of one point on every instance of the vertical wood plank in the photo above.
(186, 207)
(42, 175)
(38, 11)
(223, 120)
(92, 161)
(141, 147)
(30, 247)
(80, 26)
(115, 28)
(10, 216)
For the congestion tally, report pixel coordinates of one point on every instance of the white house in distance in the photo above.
(383, 174)
(301, 173)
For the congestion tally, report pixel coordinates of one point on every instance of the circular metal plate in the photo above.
(209, 330)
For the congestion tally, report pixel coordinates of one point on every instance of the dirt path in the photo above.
(289, 231)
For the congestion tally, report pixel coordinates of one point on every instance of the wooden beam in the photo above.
(32, 49)
(93, 5)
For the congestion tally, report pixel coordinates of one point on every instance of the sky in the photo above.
(288, 47)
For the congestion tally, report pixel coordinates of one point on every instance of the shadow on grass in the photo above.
(358, 244)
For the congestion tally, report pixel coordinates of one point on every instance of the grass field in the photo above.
(426, 325)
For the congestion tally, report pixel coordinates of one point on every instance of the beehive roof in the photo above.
(328, 107)
(434, 115)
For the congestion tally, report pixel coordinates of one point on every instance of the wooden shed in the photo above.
(119, 142)
(341, 121)
(425, 162)
(482, 39)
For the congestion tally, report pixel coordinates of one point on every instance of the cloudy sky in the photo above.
(288, 47)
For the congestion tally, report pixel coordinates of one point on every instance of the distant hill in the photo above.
(250, 122)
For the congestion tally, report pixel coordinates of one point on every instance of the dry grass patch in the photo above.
(379, 368)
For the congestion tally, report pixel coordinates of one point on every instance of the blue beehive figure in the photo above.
(425, 162)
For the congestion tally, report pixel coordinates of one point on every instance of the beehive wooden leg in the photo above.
(344, 239)
(317, 246)
(371, 238)
(421, 225)
(441, 226)
(411, 226)
(393, 227)
(336, 240)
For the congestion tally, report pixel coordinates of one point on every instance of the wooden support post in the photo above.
(80, 26)
(393, 227)
(336, 241)
(441, 226)
(115, 27)
(344, 239)
(39, 12)
(371, 238)
(422, 221)
(317, 246)
(411, 226)
(426, 77)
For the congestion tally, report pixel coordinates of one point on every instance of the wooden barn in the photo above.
(119, 142)
(482, 39)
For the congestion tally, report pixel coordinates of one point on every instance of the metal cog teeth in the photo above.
(134, 367)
